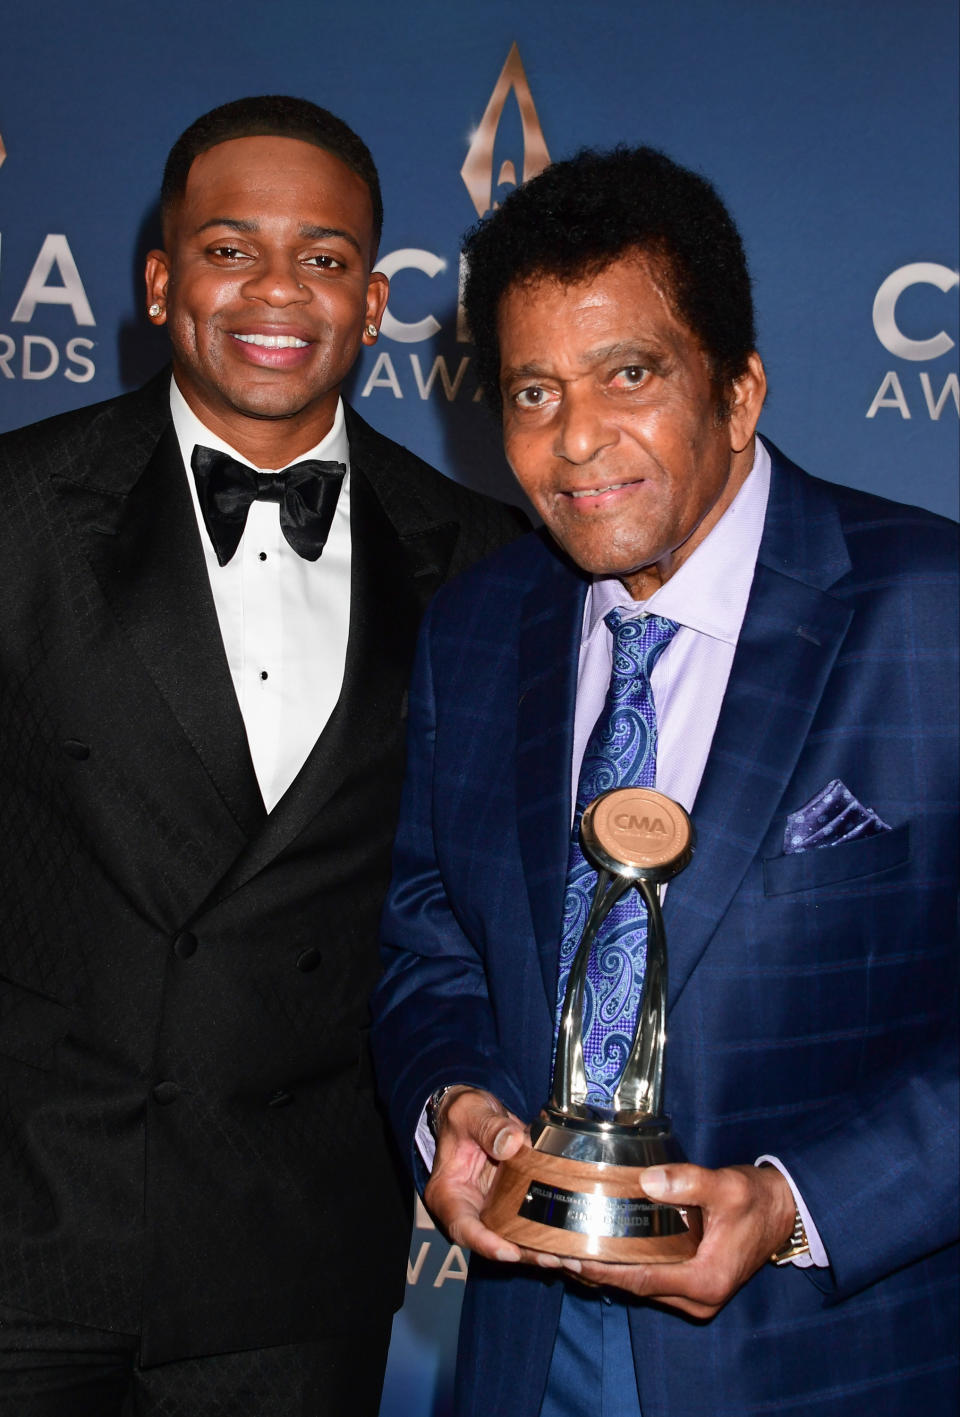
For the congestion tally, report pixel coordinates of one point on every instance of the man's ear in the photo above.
(744, 403)
(378, 288)
(157, 277)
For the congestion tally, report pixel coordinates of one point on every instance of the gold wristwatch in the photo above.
(796, 1245)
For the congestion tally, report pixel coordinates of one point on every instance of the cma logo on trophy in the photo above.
(486, 182)
(888, 322)
(34, 356)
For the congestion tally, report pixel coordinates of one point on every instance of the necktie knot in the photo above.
(637, 644)
(306, 492)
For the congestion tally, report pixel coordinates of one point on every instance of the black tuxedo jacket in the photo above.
(190, 1143)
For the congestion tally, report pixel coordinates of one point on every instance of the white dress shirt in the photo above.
(284, 620)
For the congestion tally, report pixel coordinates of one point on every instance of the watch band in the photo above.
(434, 1102)
(796, 1245)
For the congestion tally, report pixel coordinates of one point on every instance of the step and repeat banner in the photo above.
(830, 128)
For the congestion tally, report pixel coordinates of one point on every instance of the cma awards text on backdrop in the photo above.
(891, 393)
(37, 356)
(32, 350)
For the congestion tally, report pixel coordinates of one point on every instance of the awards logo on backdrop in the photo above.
(477, 170)
(478, 178)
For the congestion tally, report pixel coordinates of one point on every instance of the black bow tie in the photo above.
(307, 493)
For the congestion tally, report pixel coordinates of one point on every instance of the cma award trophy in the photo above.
(575, 1191)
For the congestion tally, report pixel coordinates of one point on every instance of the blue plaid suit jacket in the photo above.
(813, 997)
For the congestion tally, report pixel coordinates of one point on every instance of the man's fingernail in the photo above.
(549, 1261)
(507, 1256)
(500, 1141)
(574, 1266)
(654, 1181)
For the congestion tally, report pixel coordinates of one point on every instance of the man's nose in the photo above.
(276, 281)
(584, 427)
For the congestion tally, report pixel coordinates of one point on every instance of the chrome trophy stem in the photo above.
(569, 1093)
(640, 1089)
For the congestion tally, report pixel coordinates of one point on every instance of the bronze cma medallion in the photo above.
(638, 833)
(574, 1190)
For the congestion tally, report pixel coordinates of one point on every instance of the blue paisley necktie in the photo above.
(621, 752)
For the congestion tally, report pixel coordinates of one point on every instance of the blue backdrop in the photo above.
(830, 128)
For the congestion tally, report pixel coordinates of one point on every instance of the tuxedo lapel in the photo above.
(426, 542)
(549, 641)
(791, 635)
(135, 518)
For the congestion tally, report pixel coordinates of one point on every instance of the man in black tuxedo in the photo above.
(201, 726)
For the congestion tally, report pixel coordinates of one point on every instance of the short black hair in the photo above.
(271, 116)
(579, 215)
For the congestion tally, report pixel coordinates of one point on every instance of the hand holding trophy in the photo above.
(575, 1190)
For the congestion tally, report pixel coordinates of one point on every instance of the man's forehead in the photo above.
(234, 157)
(623, 285)
(586, 282)
(254, 172)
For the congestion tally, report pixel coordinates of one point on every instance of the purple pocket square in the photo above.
(832, 816)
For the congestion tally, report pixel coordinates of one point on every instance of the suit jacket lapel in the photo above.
(136, 521)
(549, 644)
(788, 645)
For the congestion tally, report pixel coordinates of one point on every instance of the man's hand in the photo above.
(474, 1133)
(748, 1213)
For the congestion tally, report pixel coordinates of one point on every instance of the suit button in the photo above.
(309, 959)
(185, 944)
(166, 1092)
(280, 1098)
(75, 749)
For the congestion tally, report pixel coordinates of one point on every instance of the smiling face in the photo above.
(612, 424)
(266, 290)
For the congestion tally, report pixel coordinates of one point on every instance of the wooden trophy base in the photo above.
(552, 1203)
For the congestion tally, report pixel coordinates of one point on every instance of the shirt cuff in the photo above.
(426, 1141)
(818, 1257)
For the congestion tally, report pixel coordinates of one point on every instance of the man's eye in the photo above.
(323, 262)
(629, 377)
(227, 253)
(532, 397)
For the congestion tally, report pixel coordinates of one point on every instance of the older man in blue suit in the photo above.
(804, 700)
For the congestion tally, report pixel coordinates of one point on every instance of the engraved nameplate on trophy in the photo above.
(575, 1190)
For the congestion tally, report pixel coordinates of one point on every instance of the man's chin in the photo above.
(273, 409)
(597, 560)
